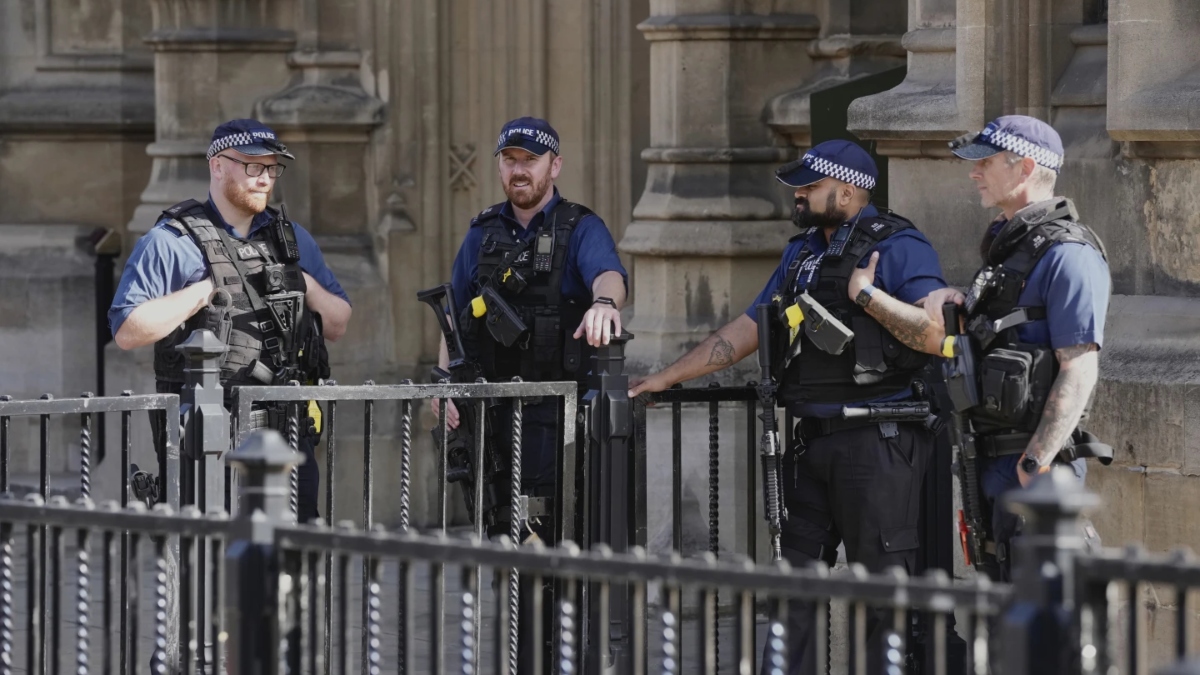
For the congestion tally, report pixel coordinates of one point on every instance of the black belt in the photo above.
(1081, 444)
(809, 428)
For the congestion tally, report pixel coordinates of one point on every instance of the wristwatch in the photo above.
(605, 301)
(1030, 465)
(864, 296)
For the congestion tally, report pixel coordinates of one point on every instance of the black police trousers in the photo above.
(860, 487)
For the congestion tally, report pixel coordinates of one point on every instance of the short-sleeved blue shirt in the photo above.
(165, 260)
(1072, 282)
(590, 253)
(908, 270)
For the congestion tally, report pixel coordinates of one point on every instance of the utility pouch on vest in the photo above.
(869, 364)
(1014, 384)
(547, 339)
(1004, 383)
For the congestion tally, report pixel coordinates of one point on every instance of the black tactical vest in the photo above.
(875, 364)
(1015, 377)
(549, 351)
(271, 336)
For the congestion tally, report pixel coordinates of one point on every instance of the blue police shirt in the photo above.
(165, 261)
(1072, 282)
(908, 270)
(590, 253)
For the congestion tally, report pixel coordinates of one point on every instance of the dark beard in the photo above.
(806, 218)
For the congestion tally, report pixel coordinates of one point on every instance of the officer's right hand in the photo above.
(935, 300)
(451, 412)
(649, 384)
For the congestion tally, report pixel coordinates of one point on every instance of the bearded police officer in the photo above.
(1035, 314)
(851, 481)
(552, 262)
(241, 269)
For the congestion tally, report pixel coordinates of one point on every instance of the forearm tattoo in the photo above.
(906, 322)
(722, 353)
(1064, 403)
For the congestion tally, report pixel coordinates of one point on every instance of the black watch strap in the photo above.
(605, 301)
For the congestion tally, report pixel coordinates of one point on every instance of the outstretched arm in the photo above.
(731, 343)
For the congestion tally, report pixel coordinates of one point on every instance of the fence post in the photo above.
(205, 442)
(1036, 629)
(264, 465)
(205, 419)
(610, 435)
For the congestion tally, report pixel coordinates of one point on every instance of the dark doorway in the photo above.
(828, 114)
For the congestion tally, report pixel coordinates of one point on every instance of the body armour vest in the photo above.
(257, 308)
(528, 274)
(875, 364)
(1015, 378)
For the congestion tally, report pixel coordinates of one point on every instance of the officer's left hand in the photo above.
(862, 277)
(599, 324)
(1026, 478)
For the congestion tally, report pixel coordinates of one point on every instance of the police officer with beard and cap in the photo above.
(851, 482)
(235, 266)
(555, 264)
(1035, 313)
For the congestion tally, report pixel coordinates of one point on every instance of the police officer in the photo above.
(846, 481)
(241, 269)
(1037, 309)
(555, 264)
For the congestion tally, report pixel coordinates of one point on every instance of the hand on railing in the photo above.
(649, 384)
(451, 412)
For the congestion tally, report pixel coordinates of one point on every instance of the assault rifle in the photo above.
(772, 457)
(961, 393)
(460, 442)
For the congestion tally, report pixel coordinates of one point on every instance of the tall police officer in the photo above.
(851, 482)
(1037, 309)
(566, 283)
(240, 268)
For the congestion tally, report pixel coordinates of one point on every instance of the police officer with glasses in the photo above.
(851, 481)
(1035, 314)
(240, 268)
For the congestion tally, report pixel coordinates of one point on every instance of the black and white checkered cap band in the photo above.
(1015, 144)
(535, 135)
(842, 173)
(235, 141)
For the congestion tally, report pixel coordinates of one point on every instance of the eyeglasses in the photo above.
(254, 169)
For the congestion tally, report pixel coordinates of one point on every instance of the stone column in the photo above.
(712, 220)
(858, 38)
(212, 60)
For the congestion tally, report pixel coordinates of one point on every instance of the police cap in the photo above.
(1018, 134)
(249, 137)
(841, 160)
(532, 134)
